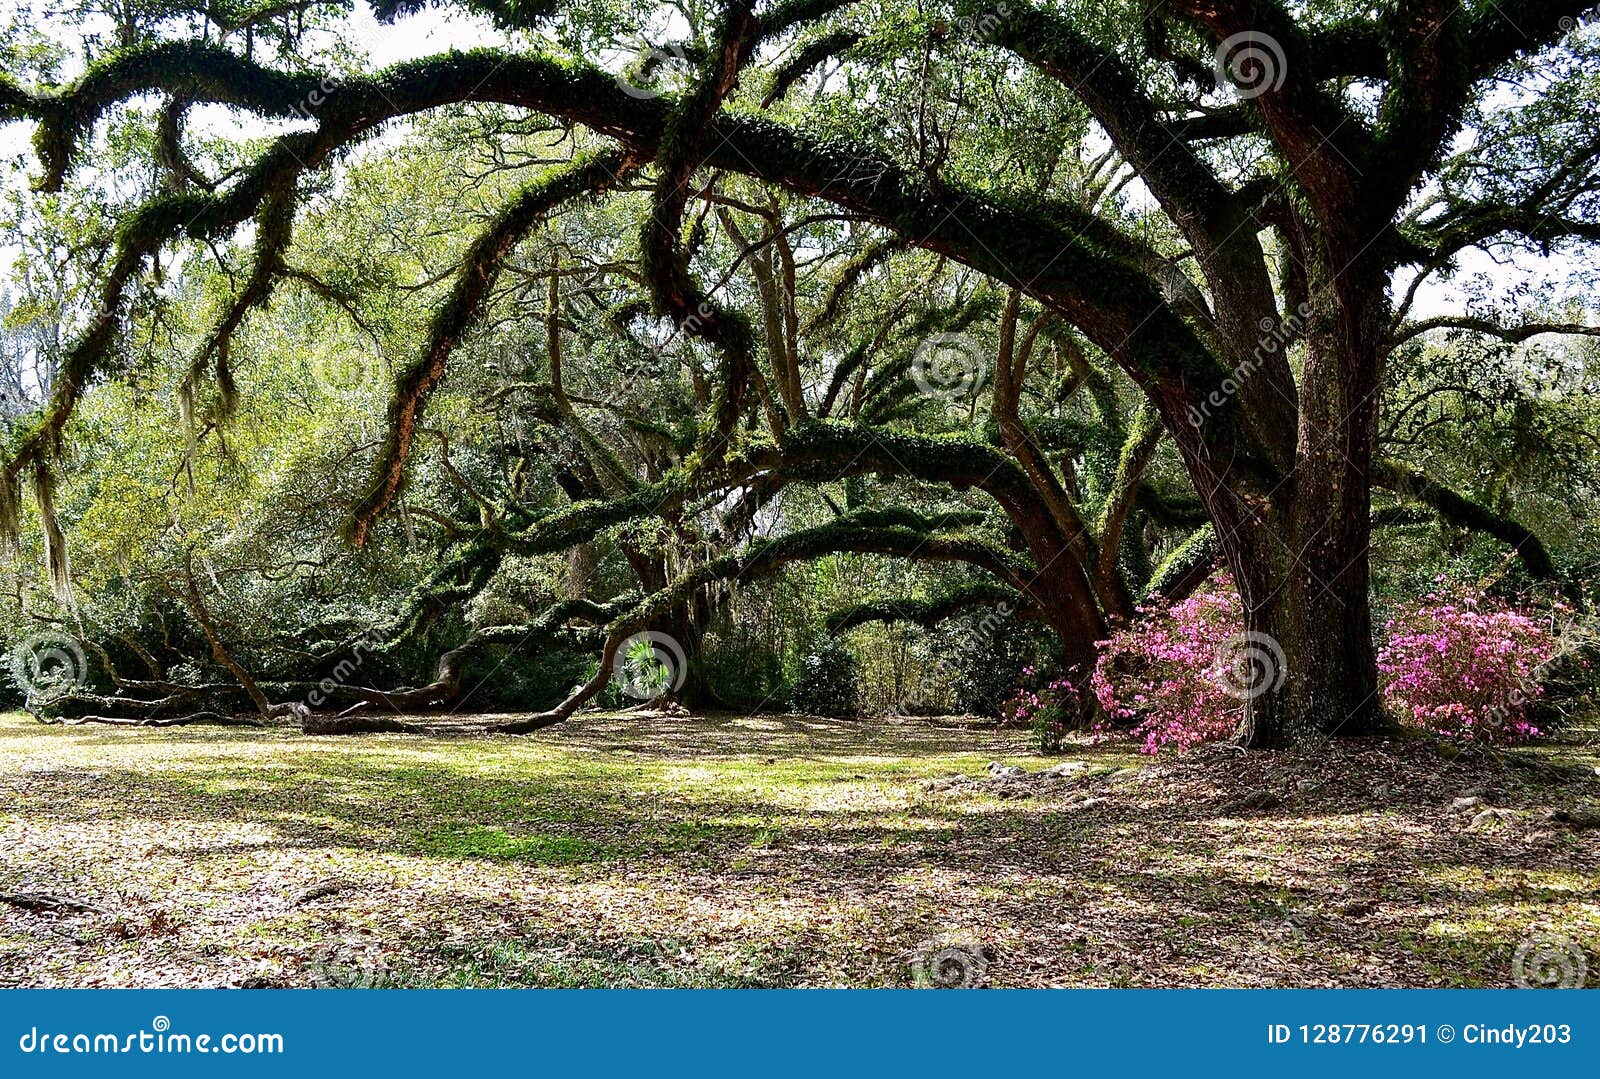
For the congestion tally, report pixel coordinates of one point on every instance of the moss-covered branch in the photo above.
(1465, 513)
(462, 308)
(928, 613)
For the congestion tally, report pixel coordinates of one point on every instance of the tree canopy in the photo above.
(334, 386)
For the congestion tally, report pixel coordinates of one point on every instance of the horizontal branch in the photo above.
(1464, 512)
(1513, 334)
(928, 613)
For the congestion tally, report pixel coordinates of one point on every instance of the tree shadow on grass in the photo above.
(819, 868)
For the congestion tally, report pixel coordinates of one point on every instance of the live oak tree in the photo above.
(1242, 272)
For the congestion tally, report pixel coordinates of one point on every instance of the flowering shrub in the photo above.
(1158, 675)
(1464, 666)
(1453, 662)
(1047, 711)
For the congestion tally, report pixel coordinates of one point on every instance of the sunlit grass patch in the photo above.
(709, 851)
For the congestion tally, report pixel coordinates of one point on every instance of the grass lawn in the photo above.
(647, 850)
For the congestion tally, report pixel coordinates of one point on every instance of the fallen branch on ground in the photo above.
(44, 903)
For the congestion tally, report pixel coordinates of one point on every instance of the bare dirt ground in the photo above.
(776, 850)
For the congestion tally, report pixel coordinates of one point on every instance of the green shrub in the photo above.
(983, 658)
(829, 682)
(529, 680)
(741, 675)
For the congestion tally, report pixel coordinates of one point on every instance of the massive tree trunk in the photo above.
(1306, 665)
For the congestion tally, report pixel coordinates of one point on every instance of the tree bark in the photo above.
(1304, 579)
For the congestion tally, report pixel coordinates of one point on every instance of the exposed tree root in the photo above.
(528, 724)
(359, 724)
(214, 719)
(44, 903)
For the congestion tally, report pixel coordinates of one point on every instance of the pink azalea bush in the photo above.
(1159, 675)
(1044, 711)
(1465, 666)
(1453, 662)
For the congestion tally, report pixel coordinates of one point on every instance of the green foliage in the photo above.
(574, 357)
(984, 658)
(828, 683)
(521, 680)
(745, 676)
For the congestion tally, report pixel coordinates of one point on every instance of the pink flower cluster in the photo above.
(1465, 666)
(1454, 662)
(1158, 676)
(1042, 710)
